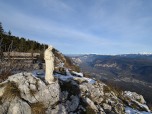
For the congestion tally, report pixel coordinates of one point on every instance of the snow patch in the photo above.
(142, 105)
(80, 74)
(63, 77)
(129, 110)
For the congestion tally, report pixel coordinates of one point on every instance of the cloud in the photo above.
(88, 26)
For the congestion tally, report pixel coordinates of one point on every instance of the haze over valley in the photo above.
(127, 71)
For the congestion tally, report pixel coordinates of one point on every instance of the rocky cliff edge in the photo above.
(25, 93)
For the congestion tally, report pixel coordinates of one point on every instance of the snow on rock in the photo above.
(137, 99)
(135, 96)
(89, 80)
(90, 88)
(64, 78)
(38, 73)
(26, 84)
(79, 74)
(129, 110)
(142, 105)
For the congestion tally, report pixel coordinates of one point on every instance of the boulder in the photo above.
(18, 106)
(91, 104)
(118, 108)
(32, 90)
(73, 104)
(107, 108)
(2, 91)
(63, 95)
(134, 96)
(95, 91)
(58, 109)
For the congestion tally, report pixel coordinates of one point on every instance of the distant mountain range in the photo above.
(129, 71)
(133, 55)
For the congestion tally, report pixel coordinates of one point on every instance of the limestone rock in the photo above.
(95, 91)
(73, 104)
(59, 109)
(135, 96)
(17, 106)
(35, 90)
(107, 107)
(92, 105)
(63, 95)
(82, 108)
(2, 91)
(118, 108)
(4, 107)
(73, 100)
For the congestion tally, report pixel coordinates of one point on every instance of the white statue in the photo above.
(49, 65)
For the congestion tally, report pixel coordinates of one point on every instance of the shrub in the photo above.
(2, 85)
(89, 110)
(41, 57)
(150, 106)
(106, 89)
(134, 106)
(38, 108)
(70, 88)
(137, 106)
(77, 69)
(11, 91)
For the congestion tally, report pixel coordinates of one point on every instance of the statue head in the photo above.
(50, 47)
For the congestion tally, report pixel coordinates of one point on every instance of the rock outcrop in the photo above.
(31, 90)
(24, 93)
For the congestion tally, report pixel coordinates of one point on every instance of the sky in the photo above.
(82, 26)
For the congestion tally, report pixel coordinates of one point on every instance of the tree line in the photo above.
(13, 43)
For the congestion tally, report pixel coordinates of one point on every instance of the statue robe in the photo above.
(49, 64)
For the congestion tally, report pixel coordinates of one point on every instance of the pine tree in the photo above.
(1, 28)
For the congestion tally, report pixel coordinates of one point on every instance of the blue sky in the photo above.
(82, 26)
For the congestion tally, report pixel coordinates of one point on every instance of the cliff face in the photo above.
(71, 93)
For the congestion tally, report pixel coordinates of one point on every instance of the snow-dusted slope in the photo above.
(131, 98)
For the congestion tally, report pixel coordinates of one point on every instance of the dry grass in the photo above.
(53, 106)
(36, 84)
(11, 91)
(139, 100)
(99, 81)
(137, 106)
(150, 106)
(1, 101)
(56, 68)
(81, 81)
(38, 108)
(4, 74)
(106, 89)
(89, 110)
(70, 88)
(2, 85)
(32, 92)
(67, 65)
(84, 75)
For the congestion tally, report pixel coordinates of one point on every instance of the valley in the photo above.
(127, 73)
